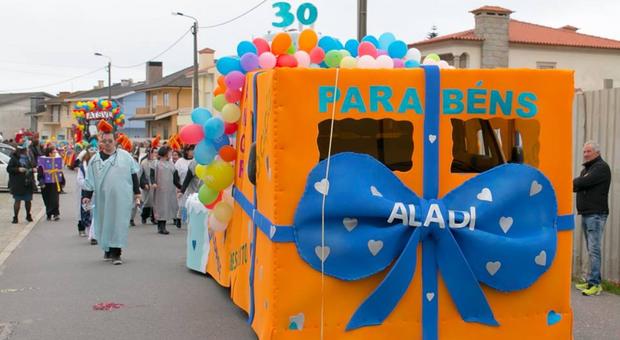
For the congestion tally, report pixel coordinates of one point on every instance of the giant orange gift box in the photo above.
(464, 122)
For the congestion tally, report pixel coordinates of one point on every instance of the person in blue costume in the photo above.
(112, 177)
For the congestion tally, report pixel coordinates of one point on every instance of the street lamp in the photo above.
(195, 33)
(109, 69)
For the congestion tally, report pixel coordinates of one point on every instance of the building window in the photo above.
(166, 99)
(153, 102)
(546, 65)
(55, 113)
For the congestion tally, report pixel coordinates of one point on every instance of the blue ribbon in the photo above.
(498, 228)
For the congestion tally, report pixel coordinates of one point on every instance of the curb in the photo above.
(4, 255)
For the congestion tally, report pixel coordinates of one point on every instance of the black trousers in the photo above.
(147, 212)
(51, 198)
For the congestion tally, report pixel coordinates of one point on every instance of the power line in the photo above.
(157, 56)
(237, 17)
(55, 83)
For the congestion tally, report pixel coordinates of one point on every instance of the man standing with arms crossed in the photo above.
(112, 178)
(592, 188)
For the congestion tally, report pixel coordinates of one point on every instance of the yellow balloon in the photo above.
(231, 113)
(201, 171)
(219, 175)
(223, 212)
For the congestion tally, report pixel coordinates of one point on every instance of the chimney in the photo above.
(206, 58)
(154, 71)
(99, 84)
(63, 94)
(126, 82)
(492, 26)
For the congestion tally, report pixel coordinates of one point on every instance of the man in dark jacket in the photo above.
(592, 188)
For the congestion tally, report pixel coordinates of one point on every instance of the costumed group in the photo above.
(114, 183)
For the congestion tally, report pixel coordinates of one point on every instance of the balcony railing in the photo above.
(152, 110)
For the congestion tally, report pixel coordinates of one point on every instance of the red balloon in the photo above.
(233, 95)
(192, 134)
(286, 60)
(262, 45)
(230, 128)
(217, 200)
(367, 48)
(317, 55)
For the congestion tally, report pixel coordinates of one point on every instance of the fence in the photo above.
(596, 116)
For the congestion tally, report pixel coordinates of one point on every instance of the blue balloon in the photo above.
(385, 40)
(371, 39)
(205, 152)
(339, 45)
(328, 43)
(221, 141)
(214, 128)
(411, 64)
(201, 115)
(246, 47)
(351, 45)
(226, 65)
(397, 49)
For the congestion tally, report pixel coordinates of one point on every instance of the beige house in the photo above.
(20, 111)
(57, 119)
(499, 41)
(167, 99)
(207, 77)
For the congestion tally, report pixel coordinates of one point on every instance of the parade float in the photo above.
(356, 191)
(94, 116)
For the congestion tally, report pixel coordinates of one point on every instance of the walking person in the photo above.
(147, 173)
(112, 178)
(85, 215)
(51, 181)
(182, 167)
(592, 188)
(21, 181)
(166, 184)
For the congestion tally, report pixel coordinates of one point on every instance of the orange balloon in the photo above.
(228, 153)
(220, 82)
(307, 40)
(280, 43)
(219, 90)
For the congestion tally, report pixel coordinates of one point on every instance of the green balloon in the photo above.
(433, 56)
(219, 101)
(219, 175)
(333, 58)
(207, 195)
(291, 49)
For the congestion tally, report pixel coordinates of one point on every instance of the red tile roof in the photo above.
(527, 33)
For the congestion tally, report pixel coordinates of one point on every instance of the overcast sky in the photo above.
(44, 42)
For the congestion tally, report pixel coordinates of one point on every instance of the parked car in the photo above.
(4, 176)
(6, 149)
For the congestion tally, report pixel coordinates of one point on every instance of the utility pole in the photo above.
(109, 69)
(195, 33)
(361, 19)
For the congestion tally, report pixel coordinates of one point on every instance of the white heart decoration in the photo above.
(349, 223)
(272, 231)
(298, 319)
(375, 247)
(430, 296)
(322, 252)
(541, 258)
(432, 138)
(493, 267)
(505, 223)
(322, 186)
(375, 192)
(535, 188)
(485, 195)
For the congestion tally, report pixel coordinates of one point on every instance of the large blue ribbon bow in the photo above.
(498, 228)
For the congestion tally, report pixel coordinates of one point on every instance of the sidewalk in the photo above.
(9, 231)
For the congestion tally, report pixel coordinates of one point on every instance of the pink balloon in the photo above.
(381, 52)
(233, 95)
(303, 58)
(367, 48)
(192, 134)
(267, 60)
(399, 63)
(234, 80)
(262, 45)
(317, 55)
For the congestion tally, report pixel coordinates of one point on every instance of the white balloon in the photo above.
(303, 59)
(428, 61)
(443, 64)
(413, 54)
(384, 61)
(214, 224)
(366, 61)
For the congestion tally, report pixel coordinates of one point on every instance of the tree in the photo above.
(433, 33)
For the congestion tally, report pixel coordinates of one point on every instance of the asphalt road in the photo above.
(51, 283)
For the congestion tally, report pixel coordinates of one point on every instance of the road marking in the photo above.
(19, 238)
